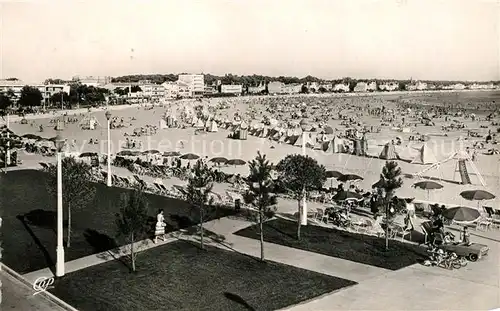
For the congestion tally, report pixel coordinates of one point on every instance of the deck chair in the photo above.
(321, 215)
(427, 231)
(489, 210)
(157, 187)
(44, 165)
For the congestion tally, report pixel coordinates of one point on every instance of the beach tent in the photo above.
(388, 152)
(213, 127)
(163, 124)
(307, 140)
(425, 156)
(89, 122)
(337, 145)
(199, 123)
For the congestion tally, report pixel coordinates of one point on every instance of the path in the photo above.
(226, 226)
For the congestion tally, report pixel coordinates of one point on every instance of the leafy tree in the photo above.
(60, 96)
(30, 97)
(132, 220)
(198, 190)
(304, 89)
(259, 193)
(390, 180)
(5, 104)
(299, 175)
(135, 89)
(121, 91)
(78, 190)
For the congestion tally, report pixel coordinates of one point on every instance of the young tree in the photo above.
(198, 190)
(78, 190)
(59, 97)
(132, 220)
(30, 97)
(390, 179)
(259, 193)
(301, 174)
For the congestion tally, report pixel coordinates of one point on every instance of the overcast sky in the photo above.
(423, 39)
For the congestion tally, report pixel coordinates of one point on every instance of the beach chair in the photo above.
(321, 215)
(158, 188)
(427, 231)
(44, 165)
(125, 182)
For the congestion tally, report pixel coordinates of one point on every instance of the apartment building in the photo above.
(194, 82)
(389, 86)
(341, 87)
(92, 80)
(361, 87)
(46, 90)
(235, 89)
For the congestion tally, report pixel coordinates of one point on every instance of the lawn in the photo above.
(365, 249)
(29, 221)
(181, 276)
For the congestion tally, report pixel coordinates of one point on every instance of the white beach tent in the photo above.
(309, 142)
(213, 127)
(388, 152)
(425, 156)
(89, 122)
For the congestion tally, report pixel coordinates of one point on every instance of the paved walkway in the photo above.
(476, 286)
(225, 227)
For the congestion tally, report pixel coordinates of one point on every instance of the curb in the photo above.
(49, 296)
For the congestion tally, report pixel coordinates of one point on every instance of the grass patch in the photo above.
(365, 249)
(181, 276)
(29, 221)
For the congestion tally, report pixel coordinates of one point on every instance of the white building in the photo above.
(361, 87)
(194, 82)
(171, 89)
(341, 87)
(46, 90)
(389, 86)
(152, 91)
(256, 89)
(293, 88)
(275, 87)
(93, 80)
(231, 89)
(372, 86)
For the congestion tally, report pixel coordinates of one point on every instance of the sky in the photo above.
(400, 39)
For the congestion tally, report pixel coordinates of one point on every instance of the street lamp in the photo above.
(59, 144)
(108, 118)
(303, 216)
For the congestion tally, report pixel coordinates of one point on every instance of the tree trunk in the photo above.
(261, 236)
(201, 226)
(132, 254)
(68, 243)
(299, 220)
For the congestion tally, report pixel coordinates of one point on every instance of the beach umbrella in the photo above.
(462, 214)
(151, 152)
(477, 195)
(427, 185)
(236, 162)
(347, 195)
(190, 156)
(87, 155)
(349, 177)
(328, 130)
(124, 153)
(32, 136)
(219, 160)
(333, 174)
(171, 154)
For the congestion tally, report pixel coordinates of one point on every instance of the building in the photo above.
(293, 88)
(326, 86)
(341, 87)
(312, 87)
(171, 89)
(361, 87)
(389, 86)
(210, 90)
(371, 87)
(92, 80)
(236, 89)
(46, 90)
(194, 82)
(275, 87)
(256, 89)
(152, 91)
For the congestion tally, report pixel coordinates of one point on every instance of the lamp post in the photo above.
(59, 144)
(303, 215)
(7, 152)
(108, 118)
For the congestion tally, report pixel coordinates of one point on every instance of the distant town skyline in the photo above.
(456, 40)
